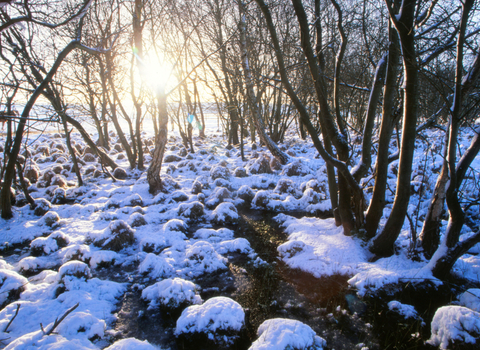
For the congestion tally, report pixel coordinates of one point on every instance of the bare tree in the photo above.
(5, 202)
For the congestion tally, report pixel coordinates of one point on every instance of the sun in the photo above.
(157, 74)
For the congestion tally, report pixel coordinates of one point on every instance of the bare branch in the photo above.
(9, 323)
(11, 22)
(58, 321)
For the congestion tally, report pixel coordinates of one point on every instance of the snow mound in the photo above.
(74, 268)
(191, 211)
(454, 323)
(116, 236)
(175, 225)
(216, 314)
(224, 213)
(320, 247)
(407, 311)
(84, 324)
(296, 168)
(471, 299)
(36, 340)
(246, 193)
(11, 284)
(47, 245)
(171, 293)
(240, 245)
(219, 195)
(171, 234)
(132, 343)
(103, 258)
(32, 264)
(286, 334)
(213, 235)
(260, 165)
(201, 257)
(74, 252)
(219, 172)
(156, 266)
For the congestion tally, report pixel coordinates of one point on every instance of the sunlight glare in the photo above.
(156, 74)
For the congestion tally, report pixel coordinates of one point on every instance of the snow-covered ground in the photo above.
(120, 224)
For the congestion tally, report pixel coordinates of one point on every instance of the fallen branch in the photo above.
(9, 323)
(58, 321)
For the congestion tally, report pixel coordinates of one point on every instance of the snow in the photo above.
(74, 268)
(132, 343)
(471, 299)
(319, 247)
(407, 311)
(454, 323)
(9, 282)
(177, 237)
(219, 313)
(171, 293)
(283, 334)
(224, 213)
(213, 235)
(240, 245)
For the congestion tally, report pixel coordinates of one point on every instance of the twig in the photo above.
(3, 340)
(9, 323)
(58, 321)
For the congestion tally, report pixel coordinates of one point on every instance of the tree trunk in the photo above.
(153, 173)
(375, 209)
(430, 235)
(442, 265)
(252, 99)
(104, 157)
(202, 117)
(327, 122)
(23, 184)
(305, 118)
(93, 111)
(5, 203)
(384, 242)
(190, 111)
(72, 152)
(378, 82)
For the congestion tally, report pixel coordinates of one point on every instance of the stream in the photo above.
(265, 291)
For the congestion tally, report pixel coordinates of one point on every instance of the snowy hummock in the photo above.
(219, 313)
(454, 324)
(407, 311)
(224, 213)
(319, 247)
(132, 343)
(172, 293)
(10, 281)
(286, 334)
(471, 299)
